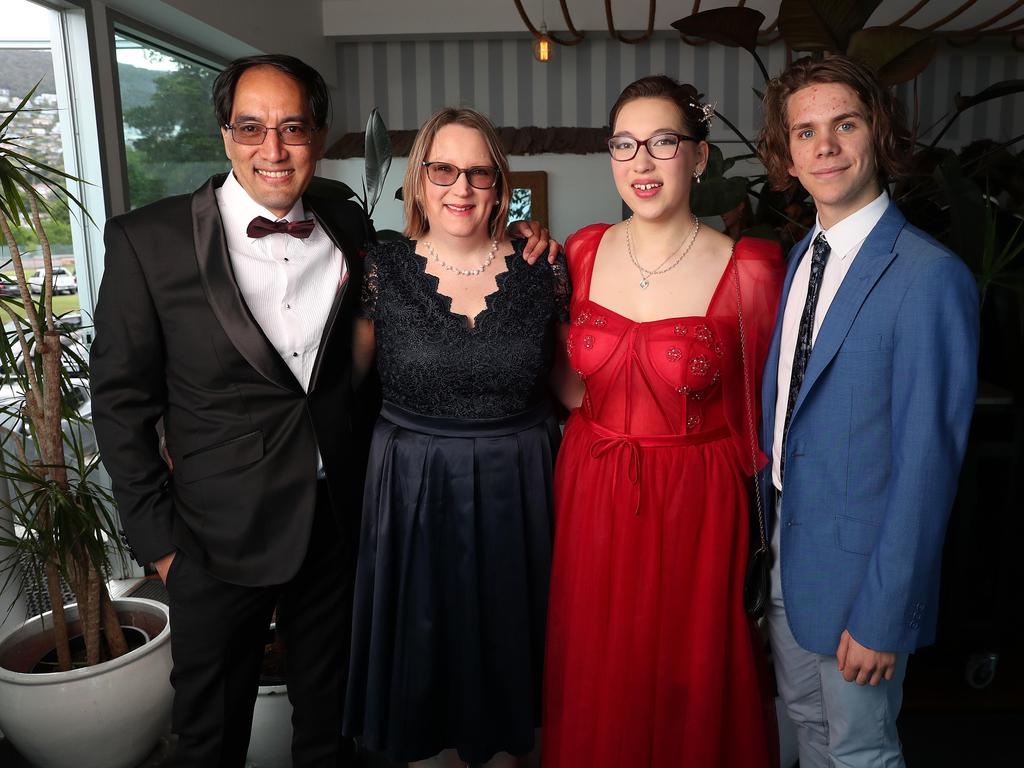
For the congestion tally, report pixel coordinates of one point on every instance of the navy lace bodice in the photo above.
(432, 362)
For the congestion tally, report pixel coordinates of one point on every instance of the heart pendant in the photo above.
(644, 283)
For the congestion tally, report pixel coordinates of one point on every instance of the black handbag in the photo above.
(757, 586)
(757, 583)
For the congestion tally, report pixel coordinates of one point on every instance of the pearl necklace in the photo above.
(661, 268)
(465, 272)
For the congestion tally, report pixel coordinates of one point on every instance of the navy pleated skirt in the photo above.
(452, 584)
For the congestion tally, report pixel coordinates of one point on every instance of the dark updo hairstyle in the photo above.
(312, 83)
(683, 95)
(889, 134)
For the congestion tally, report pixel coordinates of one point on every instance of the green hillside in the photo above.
(137, 86)
(21, 69)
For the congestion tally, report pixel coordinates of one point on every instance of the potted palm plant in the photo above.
(57, 523)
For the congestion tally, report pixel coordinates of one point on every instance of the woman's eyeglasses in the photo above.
(661, 146)
(446, 174)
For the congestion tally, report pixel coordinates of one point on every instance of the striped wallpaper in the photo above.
(407, 80)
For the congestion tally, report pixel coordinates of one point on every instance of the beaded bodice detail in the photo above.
(678, 375)
(675, 363)
(432, 362)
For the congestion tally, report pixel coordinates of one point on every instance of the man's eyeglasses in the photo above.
(292, 134)
(661, 146)
(446, 174)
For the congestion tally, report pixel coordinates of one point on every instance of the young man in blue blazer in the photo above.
(868, 392)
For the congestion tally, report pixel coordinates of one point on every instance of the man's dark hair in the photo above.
(889, 135)
(310, 80)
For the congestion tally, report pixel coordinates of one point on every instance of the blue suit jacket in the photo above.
(875, 442)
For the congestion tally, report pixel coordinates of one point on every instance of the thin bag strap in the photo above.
(747, 389)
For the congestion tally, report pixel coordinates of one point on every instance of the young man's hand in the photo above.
(862, 665)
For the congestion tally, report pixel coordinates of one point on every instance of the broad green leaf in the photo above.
(823, 25)
(717, 196)
(716, 164)
(333, 188)
(966, 209)
(729, 162)
(732, 27)
(378, 159)
(895, 54)
(963, 103)
(995, 91)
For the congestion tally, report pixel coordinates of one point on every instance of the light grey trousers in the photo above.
(838, 724)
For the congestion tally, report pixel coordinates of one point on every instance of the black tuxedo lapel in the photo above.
(346, 237)
(222, 291)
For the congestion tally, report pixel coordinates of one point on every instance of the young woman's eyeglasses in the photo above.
(661, 146)
(293, 134)
(446, 174)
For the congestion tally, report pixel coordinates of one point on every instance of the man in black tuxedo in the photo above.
(234, 327)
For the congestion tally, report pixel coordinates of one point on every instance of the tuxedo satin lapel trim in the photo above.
(770, 385)
(222, 292)
(353, 276)
(871, 261)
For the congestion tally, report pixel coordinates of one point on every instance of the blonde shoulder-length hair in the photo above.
(415, 174)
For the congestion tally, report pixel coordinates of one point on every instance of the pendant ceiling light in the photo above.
(542, 45)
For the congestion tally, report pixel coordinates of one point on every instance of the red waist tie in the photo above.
(627, 447)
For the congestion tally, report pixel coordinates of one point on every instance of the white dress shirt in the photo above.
(845, 239)
(288, 283)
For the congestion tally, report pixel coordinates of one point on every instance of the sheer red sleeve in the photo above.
(580, 250)
(754, 294)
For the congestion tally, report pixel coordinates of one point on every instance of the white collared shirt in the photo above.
(845, 239)
(288, 283)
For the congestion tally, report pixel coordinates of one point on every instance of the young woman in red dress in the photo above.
(651, 659)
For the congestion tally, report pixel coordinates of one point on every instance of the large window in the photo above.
(171, 137)
(34, 55)
(26, 62)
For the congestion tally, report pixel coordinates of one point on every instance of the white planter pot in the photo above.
(107, 716)
(270, 742)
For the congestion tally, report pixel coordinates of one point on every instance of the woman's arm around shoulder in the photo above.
(565, 382)
(364, 337)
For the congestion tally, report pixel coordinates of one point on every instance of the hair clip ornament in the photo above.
(709, 113)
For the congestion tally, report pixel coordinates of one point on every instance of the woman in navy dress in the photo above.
(455, 551)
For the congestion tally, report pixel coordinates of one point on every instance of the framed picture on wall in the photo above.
(529, 196)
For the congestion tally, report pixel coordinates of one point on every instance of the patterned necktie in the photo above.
(261, 226)
(805, 335)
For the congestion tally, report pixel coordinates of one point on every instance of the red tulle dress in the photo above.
(651, 661)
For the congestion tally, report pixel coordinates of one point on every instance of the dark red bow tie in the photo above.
(261, 226)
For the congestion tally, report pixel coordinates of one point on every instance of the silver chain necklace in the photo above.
(465, 272)
(661, 269)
